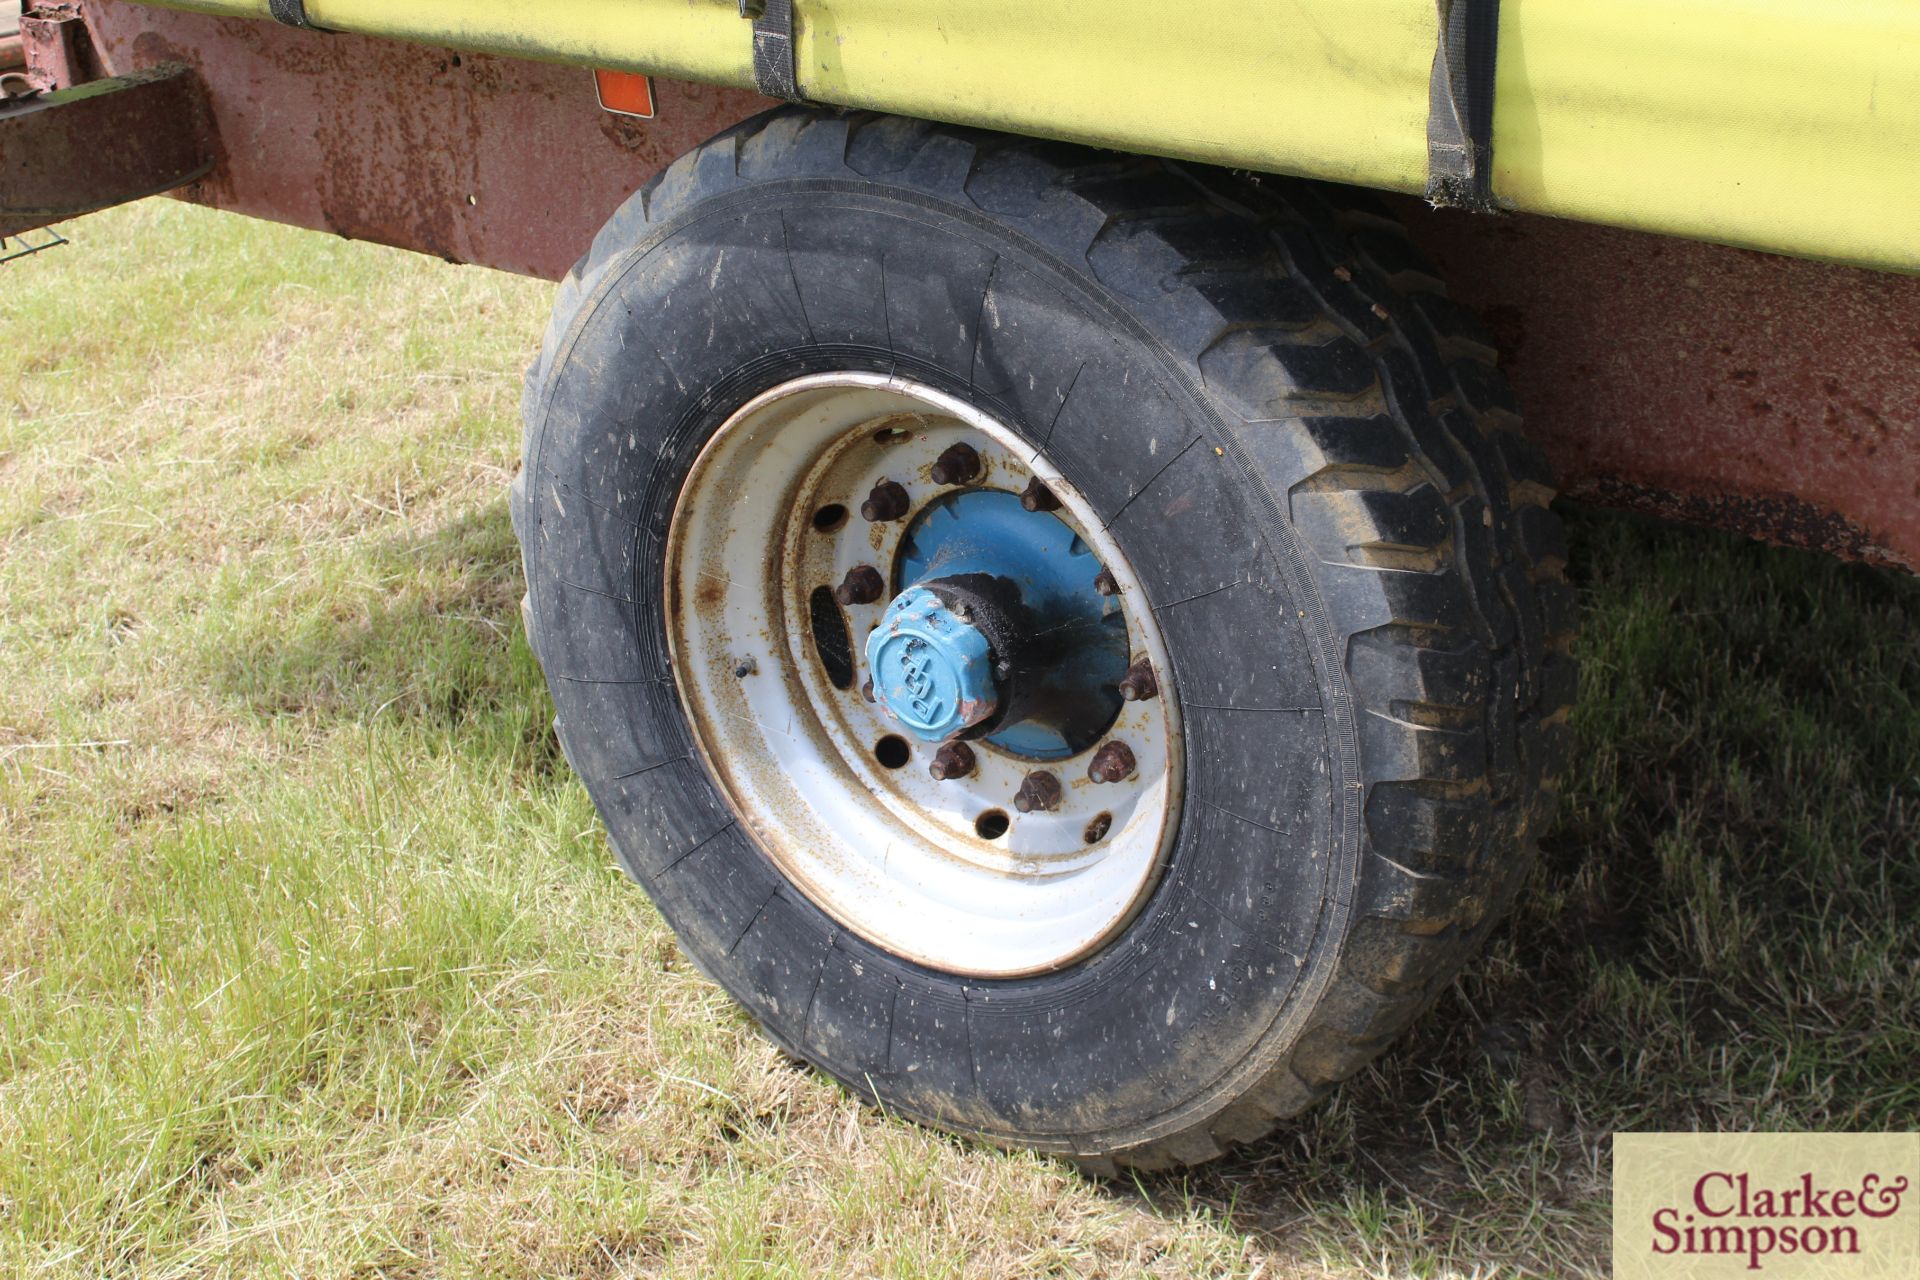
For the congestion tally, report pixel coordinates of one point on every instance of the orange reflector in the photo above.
(625, 93)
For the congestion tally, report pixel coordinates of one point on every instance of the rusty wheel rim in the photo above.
(961, 856)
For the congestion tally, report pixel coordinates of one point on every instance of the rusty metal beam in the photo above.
(101, 144)
(55, 44)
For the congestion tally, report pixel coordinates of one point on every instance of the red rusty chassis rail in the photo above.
(1776, 397)
(100, 144)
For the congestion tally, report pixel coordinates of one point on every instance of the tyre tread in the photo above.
(1430, 530)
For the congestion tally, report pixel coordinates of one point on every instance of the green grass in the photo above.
(313, 961)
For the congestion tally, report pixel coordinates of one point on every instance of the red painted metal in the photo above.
(1773, 396)
(54, 43)
(464, 156)
(1769, 395)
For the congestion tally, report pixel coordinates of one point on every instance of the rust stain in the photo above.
(469, 157)
(624, 132)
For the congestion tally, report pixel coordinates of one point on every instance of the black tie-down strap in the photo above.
(773, 51)
(1460, 106)
(292, 13)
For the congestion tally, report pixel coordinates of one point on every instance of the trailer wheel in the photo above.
(1074, 644)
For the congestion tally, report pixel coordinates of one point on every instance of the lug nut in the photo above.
(888, 501)
(862, 585)
(1111, 763)
(1104, 583)
(866, 690)
(1138, 684)
(1037, 497)
(1038, 790)
(954, 760)
(959, 464)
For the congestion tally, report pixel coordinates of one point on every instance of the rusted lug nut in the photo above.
(954, 760)
(1037, 497)
(1138, 684)
(862, 585)
(866, 690)
(888, 501)
(1038, 790)
(1104, 583)
(959, 464)
(1111, 763)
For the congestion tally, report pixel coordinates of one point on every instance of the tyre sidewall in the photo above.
(764, 282)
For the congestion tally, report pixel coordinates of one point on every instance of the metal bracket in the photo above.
(292, 13)
(21, 246)
(774, 73)
(57, 48)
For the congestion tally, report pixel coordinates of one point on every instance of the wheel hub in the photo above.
(932, 668)
(1031, 585)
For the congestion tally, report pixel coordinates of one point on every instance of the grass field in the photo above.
(313, 961)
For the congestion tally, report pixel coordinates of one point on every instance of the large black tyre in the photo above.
(1307, 453)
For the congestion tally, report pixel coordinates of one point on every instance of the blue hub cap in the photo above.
(932, 671)
(999, 619)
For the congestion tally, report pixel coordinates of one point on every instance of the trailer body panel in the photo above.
(1771, 395)
(1763, 123)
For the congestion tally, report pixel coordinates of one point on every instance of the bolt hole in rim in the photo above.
(991, 825)
(830, 638)
(933, 868)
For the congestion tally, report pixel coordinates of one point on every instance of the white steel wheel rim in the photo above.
(890, 853)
